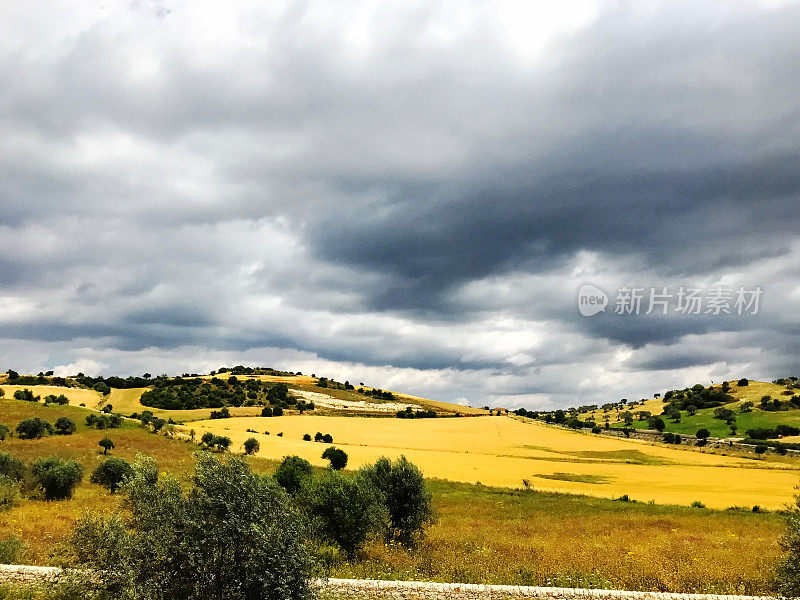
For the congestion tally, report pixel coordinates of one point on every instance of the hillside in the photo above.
(483, 534)
(755, 417)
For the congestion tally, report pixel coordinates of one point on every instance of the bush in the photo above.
(743, 382)
(347, 510)
(306, 437)
(11, 467)
(4, 431)
(111, 473)
(761, 448)
(251, 446)
(233, 535)
(702, 434)
(405, 495)
(9, 492)
(327, 438)
(221, 442)
(35, 428)
(26, 395)
(266, 411)
(337, 458)
(277, 411)
(65, 426)
(207, 439)
(57, 477)
(293, 474)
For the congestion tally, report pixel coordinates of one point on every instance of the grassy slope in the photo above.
(482, 535)
(705, 417)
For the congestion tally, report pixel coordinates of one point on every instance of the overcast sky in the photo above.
(408, 194)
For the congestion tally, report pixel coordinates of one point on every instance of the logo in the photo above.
(591, 300)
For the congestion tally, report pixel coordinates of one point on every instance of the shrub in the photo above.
(9, 492)
(10, 549)
(233, 535)
(65, 426)
(251, 445)
(698, 504)
(405, 495)
(26, 395)
(220, 414)
(4, 431)
(221, 442)
(111, 473)
(102, 388)
(327, 438)
(743, 382)
(207, 439)
(337, 458)
(266, 411)
(760, 449)
(293, 474)
(306, 437)
(702, 434)
(35, 428)
(277, 411)
(57, 477)
(106, 444)
(347, 510)
(11, 467)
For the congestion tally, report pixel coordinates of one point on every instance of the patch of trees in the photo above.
(410, 413)
(103, 421)
(379, 394)
(324, 382)
(692, 399)
(242, 370)
(47, 378)
(239, 537)
(26, 395)
(180, 394)
(671, 438)
(772, 433)
(523, 412)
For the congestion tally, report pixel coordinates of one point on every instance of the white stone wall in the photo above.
(374, 589)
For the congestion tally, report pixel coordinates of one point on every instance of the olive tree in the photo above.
(346, 510)
(234, 534)
(111, 473)
(57, 477)
(293, 474)
(405, 495)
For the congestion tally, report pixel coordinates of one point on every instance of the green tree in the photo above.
(702, 434)
(35, 428)
(111, 473)
(336, 457)
(207, 439)
(656, 423)
(65, 426)
(251, 446)
(233, 535)
(293, 474)
(405, 495)
(57, 477)
(347, 510)
(106, 444)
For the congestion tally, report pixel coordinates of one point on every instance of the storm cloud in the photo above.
(408, 194)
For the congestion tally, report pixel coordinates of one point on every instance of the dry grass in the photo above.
(503, 451)
(483, 534)
(487, 535)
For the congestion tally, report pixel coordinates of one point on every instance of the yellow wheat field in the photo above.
(503, 451)
(89, 398)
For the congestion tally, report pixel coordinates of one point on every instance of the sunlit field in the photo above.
(483, 534)
(503, 451)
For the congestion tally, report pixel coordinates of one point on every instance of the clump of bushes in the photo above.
(56, 477)
(35, 428)
(239, 538)
(103, 421)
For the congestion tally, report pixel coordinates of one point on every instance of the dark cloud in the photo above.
(406, 195)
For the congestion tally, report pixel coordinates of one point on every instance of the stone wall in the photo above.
(373, 589)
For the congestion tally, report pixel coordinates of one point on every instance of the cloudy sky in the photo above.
(409, 194)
